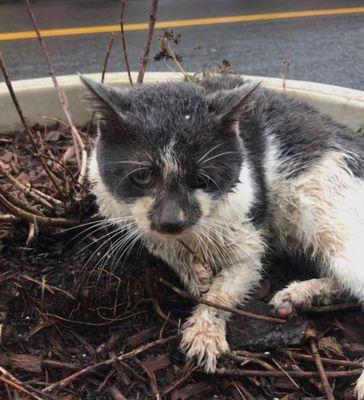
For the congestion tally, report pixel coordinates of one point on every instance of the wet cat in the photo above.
(229, 168)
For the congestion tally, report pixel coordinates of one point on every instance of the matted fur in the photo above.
(280, 174)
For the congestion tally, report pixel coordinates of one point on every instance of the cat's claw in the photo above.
(204, 338)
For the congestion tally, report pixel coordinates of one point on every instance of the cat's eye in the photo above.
(143, 178)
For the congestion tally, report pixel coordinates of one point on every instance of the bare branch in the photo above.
(92, 368)
(78, 142)
(236, 311)
(144, 60)
(27, 189)
(123, 41)
(321, 370)
(107, 55)
(27, 127)
(33, 218)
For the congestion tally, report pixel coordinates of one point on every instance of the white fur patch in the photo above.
(322, 211)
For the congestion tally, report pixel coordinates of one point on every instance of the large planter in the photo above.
(38, 98)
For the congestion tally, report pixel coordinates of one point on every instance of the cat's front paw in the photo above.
(204, 337)
(302, 295)
(289, 300)
(359, 388)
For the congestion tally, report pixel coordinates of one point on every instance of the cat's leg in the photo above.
(322, 212)
(302, 295)
(204, 333)
(325, 215)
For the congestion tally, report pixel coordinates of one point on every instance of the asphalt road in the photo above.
(328, 49)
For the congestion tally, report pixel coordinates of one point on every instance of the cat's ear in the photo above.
(227, 106)
(107, 102)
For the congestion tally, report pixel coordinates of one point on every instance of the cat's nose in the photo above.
(171, 220)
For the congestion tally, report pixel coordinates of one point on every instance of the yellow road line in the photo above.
(180, 23)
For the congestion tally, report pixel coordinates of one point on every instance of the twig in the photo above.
(333, 308)
(50, 288)
(27, 189)
(40, 220)
(279, 374)
(164, 44)
(153, 381)
(144, 60)
(92, 368)
(123, 41)
(321, 370)
(107, 55)
(8, 218)
(24, 205)
(31, 233)
(220, 306)
(18, 386)
(344, 363)
(242, 390)
(178, 382)
(28, 129)
(288, 376)
(78, 142)
(12, 381)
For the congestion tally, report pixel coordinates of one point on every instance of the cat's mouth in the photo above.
(168, 236)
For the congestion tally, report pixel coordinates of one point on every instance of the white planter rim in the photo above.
(38, 97)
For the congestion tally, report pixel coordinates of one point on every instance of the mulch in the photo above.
(77, 325)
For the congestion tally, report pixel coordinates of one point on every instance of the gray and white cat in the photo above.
(229, 168)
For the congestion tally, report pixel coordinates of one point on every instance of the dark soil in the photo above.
(64, 308)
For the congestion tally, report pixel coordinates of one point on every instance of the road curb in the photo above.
(38, 98)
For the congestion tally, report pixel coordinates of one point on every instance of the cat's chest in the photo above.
(212, 250)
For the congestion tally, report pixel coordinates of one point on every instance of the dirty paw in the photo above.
(204, 338)
(290, 300)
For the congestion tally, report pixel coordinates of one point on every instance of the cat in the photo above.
(227, 168)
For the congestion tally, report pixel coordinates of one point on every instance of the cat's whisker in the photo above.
(132, 238)
(218, 155)
(124, 226)
(140, 163)
(113, 234)
(208, 152)
(115, 246)
(209, 178)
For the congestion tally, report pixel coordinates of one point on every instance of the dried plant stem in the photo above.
(27, 127)
(167, 47)
(27, 189)
(78, 142)
(107, 56)
(9, 379)
(123, 41)
(279, 374)
(344, 363)
(24, 205)
(144, 60)
(20, 388)
(92, 368)
(8, 218)
(33, 218)
(236, 311)
(321, 370)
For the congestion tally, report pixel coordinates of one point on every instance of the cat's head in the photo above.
(167, 154)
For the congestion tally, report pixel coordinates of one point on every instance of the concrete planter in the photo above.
(38, 98)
